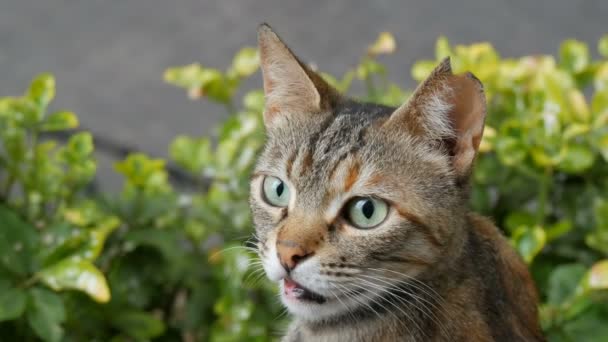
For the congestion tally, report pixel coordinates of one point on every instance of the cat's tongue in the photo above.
(296, 291)
(292, 289)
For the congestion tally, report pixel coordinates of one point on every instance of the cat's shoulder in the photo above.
(512, 270)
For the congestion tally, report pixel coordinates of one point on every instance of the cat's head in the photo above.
(350, 200)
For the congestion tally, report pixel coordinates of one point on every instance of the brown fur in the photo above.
(431, 270)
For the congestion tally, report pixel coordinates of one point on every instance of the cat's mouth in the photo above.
(295, 291)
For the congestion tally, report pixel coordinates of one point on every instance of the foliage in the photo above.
(158, 262)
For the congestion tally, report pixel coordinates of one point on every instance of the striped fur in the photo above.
(432, 271)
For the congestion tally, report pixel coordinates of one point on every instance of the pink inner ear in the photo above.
(467, 117)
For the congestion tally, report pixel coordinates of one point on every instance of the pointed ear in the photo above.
(448, 108)
(290, 87)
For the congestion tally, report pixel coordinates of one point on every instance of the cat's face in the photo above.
(350, 200)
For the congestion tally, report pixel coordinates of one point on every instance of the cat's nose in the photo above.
(291, 253)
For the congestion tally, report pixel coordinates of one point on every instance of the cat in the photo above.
(361, 213)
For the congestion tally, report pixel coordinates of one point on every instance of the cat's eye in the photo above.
(276, 192)
(366, 212)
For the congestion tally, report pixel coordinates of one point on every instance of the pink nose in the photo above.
(291, 253)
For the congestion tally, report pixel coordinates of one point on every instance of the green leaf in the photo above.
(519, 218)
(574, 55)
(187, 76)
(139, 325)
(165, 241)
(558, 229)
(12, 303)
(42, 90)
(78, 275)
(602, 46)
(144, 172)
(578, 158)
(246, 62)
(564, 281)
(60, 241)
(600, 212)
(588, 327)
(442, 48)
(80, 145)
(422, 69)
(60, 121)
(45, 314)
(529, 241)
(191, 153)
(18, 241)
(254, 101)
(97, 236)
(510, 151)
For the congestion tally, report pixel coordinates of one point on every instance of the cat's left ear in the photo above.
(446, 108)
(290, 87)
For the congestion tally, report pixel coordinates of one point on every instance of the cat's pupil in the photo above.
(280, 188)
(368, 209)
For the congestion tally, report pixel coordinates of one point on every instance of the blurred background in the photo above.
(109, 56)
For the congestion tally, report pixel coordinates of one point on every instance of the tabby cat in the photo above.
(361, 213)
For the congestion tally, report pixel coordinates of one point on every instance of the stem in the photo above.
(543, 195)
(371, 89)
(137, 206)
(8, 186)
(29, 213)
(29, 282)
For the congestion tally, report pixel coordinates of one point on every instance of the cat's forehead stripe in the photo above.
(352, 176)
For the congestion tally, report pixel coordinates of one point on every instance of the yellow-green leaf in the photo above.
(574, 55)
(598, 275)
(384, 44)
(423, 69)
(78, 275)
(42, 90)
(97, 239)
(60, 121)
(442, 48)
(577, 158)
(602, 45)
(529, 241)
(246, 62)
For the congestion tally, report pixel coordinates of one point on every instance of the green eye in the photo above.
(366, 212)
(276, 192)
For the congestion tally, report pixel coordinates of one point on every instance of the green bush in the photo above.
(164, 263)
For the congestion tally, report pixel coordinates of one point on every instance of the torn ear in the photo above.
(290, 87)
(448, 108)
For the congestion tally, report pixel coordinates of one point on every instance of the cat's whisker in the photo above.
(352, 294)
(337, 297)
(435, 298)
(377, 302)
(224, 250)
(254, 277)
(282, 314)
(392, 288)
(435, 294)
(393, 285)
(401, 301)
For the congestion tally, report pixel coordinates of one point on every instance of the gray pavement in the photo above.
(109, 56)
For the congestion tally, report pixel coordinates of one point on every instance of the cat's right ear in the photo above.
(290, 87)
(448, 108)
